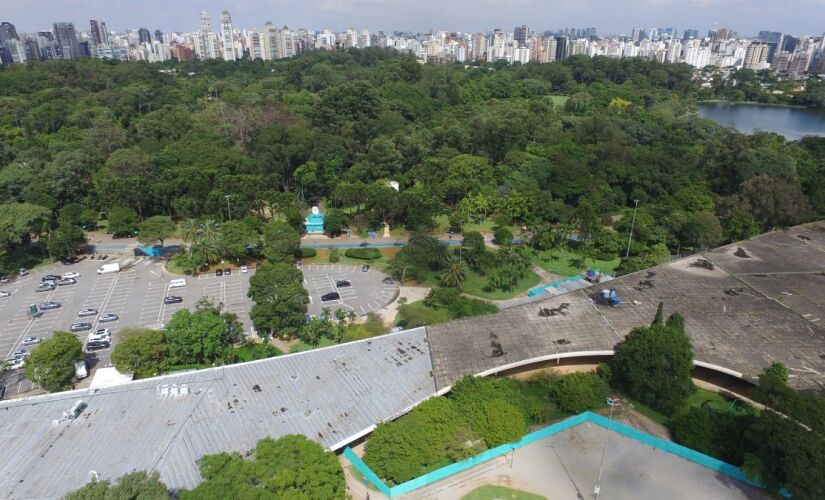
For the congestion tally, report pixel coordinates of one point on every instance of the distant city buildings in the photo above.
(794, 55)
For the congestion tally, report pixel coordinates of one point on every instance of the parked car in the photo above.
(365, 268)
(4, 293)
(49, 305)
(218, 272)
(4, 279)
(172, 299)
(363, 244)
(388, 281)
(50, 277)
(106, 318)
(227, 271)
(87, 312)
(80, 327)
(343, 283)
(97, 345)
(298, 265)
(330, 296)
(45, 287)
(32, 341)
(71, 274)
(244, 269)
(22, 271)
(21, 353)
(67, 281)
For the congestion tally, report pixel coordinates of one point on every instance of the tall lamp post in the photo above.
(632, 225)
(612, 403)
(228, 209)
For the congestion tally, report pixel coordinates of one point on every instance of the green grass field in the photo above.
(715, 401)
(416, 314)
(492, 492)
(475, 286)
(380, 263)
(562, 262)
(486, 226)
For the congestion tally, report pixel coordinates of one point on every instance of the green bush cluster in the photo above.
(334, 256)
(306, 253)
(363, 253)
(480, 413)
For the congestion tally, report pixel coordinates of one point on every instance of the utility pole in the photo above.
(228, 209)
(632, 225)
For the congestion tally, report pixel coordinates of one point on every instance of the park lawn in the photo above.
(717, 402)
(475, 286)
(561, 262)
(443, 222)
(493, 492)
(417, 314)
(301, 346)
(251, 352)
(558, 100)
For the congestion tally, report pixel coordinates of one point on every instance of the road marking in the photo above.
(163, 305)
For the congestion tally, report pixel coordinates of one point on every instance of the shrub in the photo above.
(333, 256)
(503, 236)
(363, 253)
(305, 253)
(500, 423)
(578, 392)
(431, 436)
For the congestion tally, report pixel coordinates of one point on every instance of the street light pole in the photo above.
(228, 209)
(632, 225)
(612, 403)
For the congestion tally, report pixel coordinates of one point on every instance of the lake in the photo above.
(793, 123)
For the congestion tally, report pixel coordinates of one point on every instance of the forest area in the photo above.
(82, 141)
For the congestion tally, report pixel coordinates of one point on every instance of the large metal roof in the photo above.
(327, 394)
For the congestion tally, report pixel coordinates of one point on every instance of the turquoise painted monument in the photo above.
(314, 223)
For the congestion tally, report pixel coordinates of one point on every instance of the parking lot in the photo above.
(367, 291)
(135, 295)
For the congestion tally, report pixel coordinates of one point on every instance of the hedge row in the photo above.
(363, 253)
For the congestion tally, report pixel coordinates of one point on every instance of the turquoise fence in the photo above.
(542, 288)
(449, 470)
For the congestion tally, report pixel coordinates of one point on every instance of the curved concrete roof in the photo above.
(745, 305)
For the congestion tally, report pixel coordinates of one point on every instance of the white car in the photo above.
(32, 341)
(244, 269)
(4, 293)
(71, 274)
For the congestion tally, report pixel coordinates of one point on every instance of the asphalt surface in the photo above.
(367, 291)
(135, 295)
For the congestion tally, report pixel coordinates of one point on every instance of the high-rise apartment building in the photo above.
(227, 37)
(65, 38)
(8, 32)
(159, 36)
(756, 56)
(206, 41)
(561, 48)
(98, 32)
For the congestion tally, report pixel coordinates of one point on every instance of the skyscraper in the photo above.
(144, 36)
(66, 39)
(227, 37)
(7, 32)
(159, 36)
(561, 48)
(99, 34)
(206, 42)
(520, 35)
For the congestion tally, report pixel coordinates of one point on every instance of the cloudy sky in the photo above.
(609, 16)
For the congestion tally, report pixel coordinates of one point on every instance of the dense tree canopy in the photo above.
(51, 364)
(126, 142)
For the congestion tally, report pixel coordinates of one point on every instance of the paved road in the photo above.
(367, 291)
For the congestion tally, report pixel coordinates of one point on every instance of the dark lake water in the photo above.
(793, 123)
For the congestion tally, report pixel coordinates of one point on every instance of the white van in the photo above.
(177, 283)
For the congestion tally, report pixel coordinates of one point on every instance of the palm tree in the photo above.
(189, 230)
(454, 273)
(209, 233)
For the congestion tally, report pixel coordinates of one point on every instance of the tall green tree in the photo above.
(653, 364)
(156, 229)
(281, 242)
(123, 221)
(280, 299)
(51, 364)
(133, 486)
(141, 351)
(290, 467)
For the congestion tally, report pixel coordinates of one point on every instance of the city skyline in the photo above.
(422, 16)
